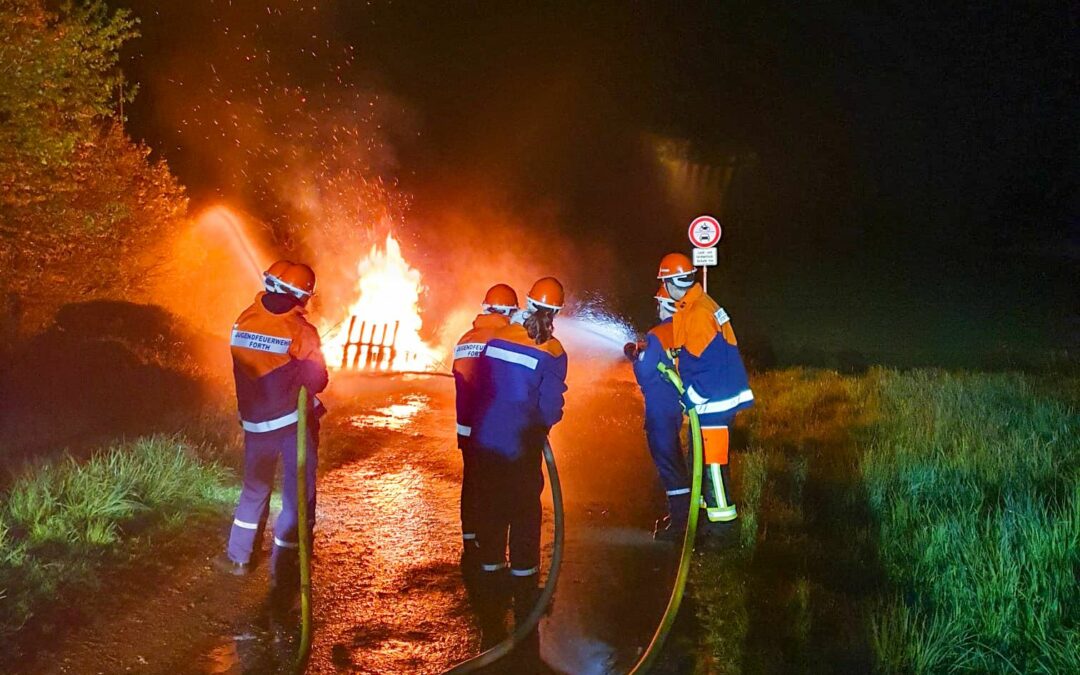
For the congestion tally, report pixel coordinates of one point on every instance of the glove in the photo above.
(633, 349)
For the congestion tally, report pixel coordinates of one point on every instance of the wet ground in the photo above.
(389, 595)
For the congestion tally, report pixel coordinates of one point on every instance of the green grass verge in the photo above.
(59, 521)
(975, 484)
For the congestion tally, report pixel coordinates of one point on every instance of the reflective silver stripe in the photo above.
(468, 536)
(464, 430)
(247, 526)
(695, 398)
(529, 362)
(525, 573)
(260, 342)
(724, 515)
(285, 544)
(468, 350)
(493, 568)
(680, 491)
(271, 425)
(721, 316)
(718, 486)
(724, 405)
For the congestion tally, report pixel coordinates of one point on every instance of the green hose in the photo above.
(652, 652)
(303, 535)
(522, 630)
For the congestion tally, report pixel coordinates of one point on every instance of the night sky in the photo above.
(906, 178)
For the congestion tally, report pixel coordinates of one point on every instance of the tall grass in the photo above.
(975, 483)
(59, 520)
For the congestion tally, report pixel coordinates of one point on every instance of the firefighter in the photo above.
(275, 351)
(663, 417)
(712, 371)
(500, 303)
(521, 381)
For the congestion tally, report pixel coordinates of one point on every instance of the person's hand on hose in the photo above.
(633, 349)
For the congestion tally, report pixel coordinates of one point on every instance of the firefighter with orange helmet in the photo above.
(275, 351)
(522, 379)
(663, 416)
(499, 303)
(714, 375)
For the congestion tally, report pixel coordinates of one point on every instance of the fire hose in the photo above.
(304, 650)
(652, 652)
(522, 630)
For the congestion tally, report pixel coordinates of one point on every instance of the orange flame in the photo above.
(388, 295)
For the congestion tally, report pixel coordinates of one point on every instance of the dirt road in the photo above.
(389, 595)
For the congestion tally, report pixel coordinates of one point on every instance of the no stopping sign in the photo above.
(704, 232)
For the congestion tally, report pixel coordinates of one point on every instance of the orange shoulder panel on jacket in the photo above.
(306, 343)
(694, 324)
(665, 333)
(517, 334)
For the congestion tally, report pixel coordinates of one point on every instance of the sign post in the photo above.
(704, 234)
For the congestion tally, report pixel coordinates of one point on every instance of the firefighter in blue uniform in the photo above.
(275, 351)
(663, 417)
(521, 382)
(500, 302)
(712, 371)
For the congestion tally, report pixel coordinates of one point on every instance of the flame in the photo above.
(388, 292)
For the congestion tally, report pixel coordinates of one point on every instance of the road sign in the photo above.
(705, 257)
(704, 232)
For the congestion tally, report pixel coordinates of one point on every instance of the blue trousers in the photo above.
(470, 490)
(261, 452)
(662, 433)
(510, 504)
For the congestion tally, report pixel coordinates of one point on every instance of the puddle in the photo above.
(396, 417)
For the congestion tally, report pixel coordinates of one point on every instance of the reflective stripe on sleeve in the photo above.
(745, 396)
(464, 430)
(260, 342)
(247, 526)
(468, 350)
(529, 362)
(695, 398)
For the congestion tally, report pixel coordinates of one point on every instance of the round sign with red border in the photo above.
(704, 232)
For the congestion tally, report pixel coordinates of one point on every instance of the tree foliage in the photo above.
(80, 202)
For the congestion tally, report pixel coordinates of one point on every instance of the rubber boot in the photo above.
(672, 527)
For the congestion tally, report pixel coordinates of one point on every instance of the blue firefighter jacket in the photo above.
(520, 387)
(275, 351)
(466, 361)
(709, 362)
(662, 407)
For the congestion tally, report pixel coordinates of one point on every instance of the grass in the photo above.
(61, 520)
(975, 483)
(917, 521)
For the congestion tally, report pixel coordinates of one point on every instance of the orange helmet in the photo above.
(547, 293)
(678, 268)
(501, 299)
(298, 280)
(272, 275)
(664, 299)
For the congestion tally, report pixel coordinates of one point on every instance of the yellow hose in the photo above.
(303, 535)
(652, 652)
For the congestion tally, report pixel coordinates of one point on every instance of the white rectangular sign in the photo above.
(705, 257)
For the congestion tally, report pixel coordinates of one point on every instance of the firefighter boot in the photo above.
(672, 527)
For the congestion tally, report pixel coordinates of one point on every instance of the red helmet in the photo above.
(547, 293)
(678, 268)
(272, 275)
(298, 280)
(501, 298)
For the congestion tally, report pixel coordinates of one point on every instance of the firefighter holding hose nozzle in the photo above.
(716, 383)
(500, 303)
(521, 382)
(275, 352)
(663, 416)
